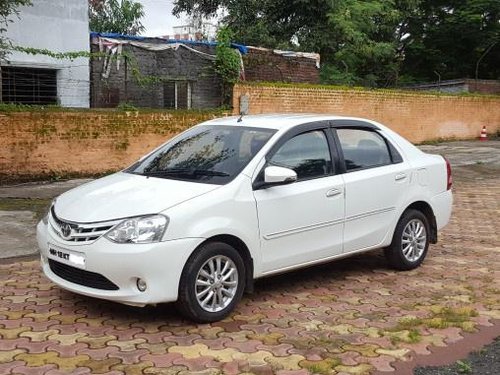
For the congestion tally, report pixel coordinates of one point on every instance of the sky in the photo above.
(158, 19)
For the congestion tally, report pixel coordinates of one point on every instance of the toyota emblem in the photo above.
(66, 231)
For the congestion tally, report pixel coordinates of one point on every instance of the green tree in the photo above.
(114, 16)
(452, 38)
(357, 39)
(7, 9)
(371, 42)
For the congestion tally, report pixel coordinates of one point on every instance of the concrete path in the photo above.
(40, 190)
(463, 153)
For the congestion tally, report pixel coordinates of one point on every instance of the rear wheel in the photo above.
(212, 283)
(410, 242)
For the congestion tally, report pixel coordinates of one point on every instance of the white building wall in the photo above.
(58, 26)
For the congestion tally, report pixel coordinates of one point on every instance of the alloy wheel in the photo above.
(216, 283)
(414, 240)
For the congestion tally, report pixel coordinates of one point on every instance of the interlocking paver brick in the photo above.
(25, 370)
(78, 371)
(97, 342)
(135, 369)
(8, 367)
(34, 346)
(129, 357)
(12, 333)
(38, 335)
(100, 366)
(127, 345)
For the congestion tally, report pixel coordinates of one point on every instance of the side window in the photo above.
(363, 149)
(307, 154)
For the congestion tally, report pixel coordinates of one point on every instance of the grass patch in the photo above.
(124, 107)
(405, 332)
(441, 317)
(37, 206)
(408, 323)
(452, 317)
(411, 337)
(464, 367)
(324, 367)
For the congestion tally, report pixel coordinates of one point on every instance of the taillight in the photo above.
(449, 177)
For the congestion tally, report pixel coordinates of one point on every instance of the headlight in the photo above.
(145, 229)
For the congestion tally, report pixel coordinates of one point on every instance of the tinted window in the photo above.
(363, 149)
(210, 154)
(307, 154)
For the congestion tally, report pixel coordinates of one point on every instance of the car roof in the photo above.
(277, 121)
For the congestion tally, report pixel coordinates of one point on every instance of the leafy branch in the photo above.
(227, 60)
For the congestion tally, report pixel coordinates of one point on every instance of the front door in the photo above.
(301, 222)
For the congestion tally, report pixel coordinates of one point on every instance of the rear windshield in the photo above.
(211, 154)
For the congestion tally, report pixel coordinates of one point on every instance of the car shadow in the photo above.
(266, 289)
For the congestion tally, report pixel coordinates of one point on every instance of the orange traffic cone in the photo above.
(484, 135)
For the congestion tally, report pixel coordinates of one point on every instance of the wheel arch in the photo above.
(244, 251)
(427, 210)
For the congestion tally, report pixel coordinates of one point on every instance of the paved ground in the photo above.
(350, 317)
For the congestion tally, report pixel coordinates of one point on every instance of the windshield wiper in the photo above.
(184, 172)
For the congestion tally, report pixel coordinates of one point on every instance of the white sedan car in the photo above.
(232, 200)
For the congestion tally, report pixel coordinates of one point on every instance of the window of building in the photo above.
(177, 95)
(29, 85)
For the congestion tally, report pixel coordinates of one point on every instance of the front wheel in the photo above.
(410, 242)
(212, 283)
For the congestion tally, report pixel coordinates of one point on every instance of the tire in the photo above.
(212, 283)
(410, 241)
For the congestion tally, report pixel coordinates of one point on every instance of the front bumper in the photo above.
(159, 265)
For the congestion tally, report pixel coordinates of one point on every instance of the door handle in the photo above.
(400, 177)
(333, 192)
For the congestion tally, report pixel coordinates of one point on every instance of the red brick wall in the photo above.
(91, 142)
(264, 65)
(417, 116)
(39, 144)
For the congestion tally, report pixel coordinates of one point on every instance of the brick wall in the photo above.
(416, 116)
(47, 143)
(264, 65)
(181, 65)
(42, 144)
(484, 86)
(184, 65)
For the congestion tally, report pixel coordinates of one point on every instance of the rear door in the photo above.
(376, 181)
(302, 222)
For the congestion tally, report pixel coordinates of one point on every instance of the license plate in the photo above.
(68, 257)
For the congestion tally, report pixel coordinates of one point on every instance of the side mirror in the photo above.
(279, 176)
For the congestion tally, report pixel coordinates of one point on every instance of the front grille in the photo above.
(81, 233)
(81, 277)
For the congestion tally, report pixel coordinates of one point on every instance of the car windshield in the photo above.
(208, 154)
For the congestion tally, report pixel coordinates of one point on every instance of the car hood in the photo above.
(123, 195)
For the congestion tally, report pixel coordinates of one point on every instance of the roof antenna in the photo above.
(244, 104)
